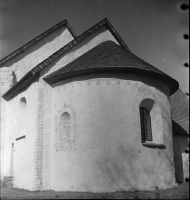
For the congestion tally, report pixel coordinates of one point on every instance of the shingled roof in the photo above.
(108, 57)
(38, 38)
(35, 72)
(180, 112)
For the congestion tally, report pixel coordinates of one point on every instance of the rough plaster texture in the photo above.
(107, 154)
(39, 139)
(6, 82)
(39, 52)
(180, 117)
(21, 64)
(181, 157)
(6, 79)
(21, 121)
(85, 45)
(3, 110)
(42, 162)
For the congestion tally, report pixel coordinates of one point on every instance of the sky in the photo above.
(152, 29)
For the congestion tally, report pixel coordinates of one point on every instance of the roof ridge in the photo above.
(144, 62)
(34, 72)
(38, 38)
(75, 41)
(113, 58)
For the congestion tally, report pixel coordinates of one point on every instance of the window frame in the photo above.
(63, 131)
(146, 127)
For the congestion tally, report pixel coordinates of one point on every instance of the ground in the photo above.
(180, 191)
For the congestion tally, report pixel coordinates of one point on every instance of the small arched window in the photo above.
(65, 127)
(23, 103)
(146, 130)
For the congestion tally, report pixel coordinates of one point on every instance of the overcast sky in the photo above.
(152, 29)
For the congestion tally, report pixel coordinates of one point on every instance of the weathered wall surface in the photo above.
(85, 45)
(24, 62)
(105, 152)
(21, 121)
(47, 135)
(3, 111)
(6, 82)
(42, 138)
(181, 157)
(6, 79)
(180, 119)
(38, 52)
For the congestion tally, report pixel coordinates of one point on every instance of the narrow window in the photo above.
(146, 130)
(65, 129)
(23, 103)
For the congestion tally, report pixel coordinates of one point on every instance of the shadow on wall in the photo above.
(123, 169)
(177, 129)
(180, 145)
(14, 79)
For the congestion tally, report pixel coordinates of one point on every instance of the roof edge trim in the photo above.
(19, 86)
(172, 83)
(38, 38)
(67, 47)
(74, 42)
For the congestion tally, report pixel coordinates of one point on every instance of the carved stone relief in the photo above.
(65, 129)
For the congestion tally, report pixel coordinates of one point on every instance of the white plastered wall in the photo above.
(97, 37)
(108, 154)
(21, 64)
(29, 58)
(23, 156)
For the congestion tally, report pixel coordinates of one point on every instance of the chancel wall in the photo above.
(105, 152)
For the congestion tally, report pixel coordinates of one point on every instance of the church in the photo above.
(83, 113)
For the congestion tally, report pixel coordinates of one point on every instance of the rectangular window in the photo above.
(146, 130)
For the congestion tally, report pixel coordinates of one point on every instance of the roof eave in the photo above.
(36, 70)
(20, 86)
(172, 83)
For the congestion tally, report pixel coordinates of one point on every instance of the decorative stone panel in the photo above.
(65, 129)
(109, 136)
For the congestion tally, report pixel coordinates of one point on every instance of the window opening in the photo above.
(146, 130)
(65, 127)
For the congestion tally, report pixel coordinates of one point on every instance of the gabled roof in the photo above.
(108, 57)
(35, 72)
(38, 38)
(180, 112)
(74, 42)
